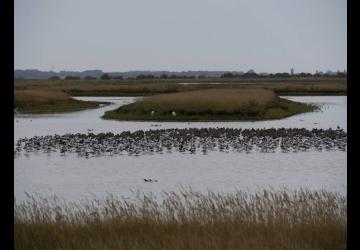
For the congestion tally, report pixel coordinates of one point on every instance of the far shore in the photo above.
(48, 96)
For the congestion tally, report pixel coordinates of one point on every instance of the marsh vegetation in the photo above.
(42, 96)
(47, 101)
(212, 104)
(186, 219)
(158, 86)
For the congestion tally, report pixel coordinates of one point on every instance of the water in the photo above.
(333, 115)
(75, 178)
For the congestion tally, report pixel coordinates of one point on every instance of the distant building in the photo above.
(292, 71)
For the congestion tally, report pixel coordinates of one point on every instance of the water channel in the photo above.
(74, 178)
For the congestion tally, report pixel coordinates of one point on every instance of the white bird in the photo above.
(152, 113)
(173, 113)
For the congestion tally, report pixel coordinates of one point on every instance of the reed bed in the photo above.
(185, 219)
(100, 88)
(39, 95)
(222, 99)
(205, 102)
(47, 101)
(211, 104)
(47, 90)
(309, 89)
(158, 86)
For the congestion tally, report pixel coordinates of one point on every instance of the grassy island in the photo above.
(55, 95)
(212, 104)
(45, 101)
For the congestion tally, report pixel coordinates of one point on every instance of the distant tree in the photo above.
(105, 76)
(139, 77)
(173, 76)
(250, 73)
(90, 78)
(53, 78)
(227, 75)
(281, 74)
(303, 74)
(117, 77)
(72, 78)
(341, 74)
(164, 76)
(329, 73)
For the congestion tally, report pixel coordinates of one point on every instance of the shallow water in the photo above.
(333, 114)
(74, 177)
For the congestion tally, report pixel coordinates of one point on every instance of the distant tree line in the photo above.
(248, 74)
(72, 78)
(104, 76)
(54, 78)
(282, 75)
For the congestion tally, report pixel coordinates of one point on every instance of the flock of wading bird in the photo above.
(190, 140)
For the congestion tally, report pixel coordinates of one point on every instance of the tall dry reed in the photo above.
(185, 220)
(223, 98)
(39, 95)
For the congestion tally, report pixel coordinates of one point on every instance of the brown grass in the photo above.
(116, 87)
(38, 95)
(153, 87)
(97, 87)
(213, 99)
(212, 104)
(186, 220)
(47, 101)
(223, 97)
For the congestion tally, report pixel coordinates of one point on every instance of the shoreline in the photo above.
(45, 96)
(176, 111)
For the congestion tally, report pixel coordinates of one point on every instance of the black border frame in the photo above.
(7, 122)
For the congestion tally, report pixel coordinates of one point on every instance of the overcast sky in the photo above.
(122, 35)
